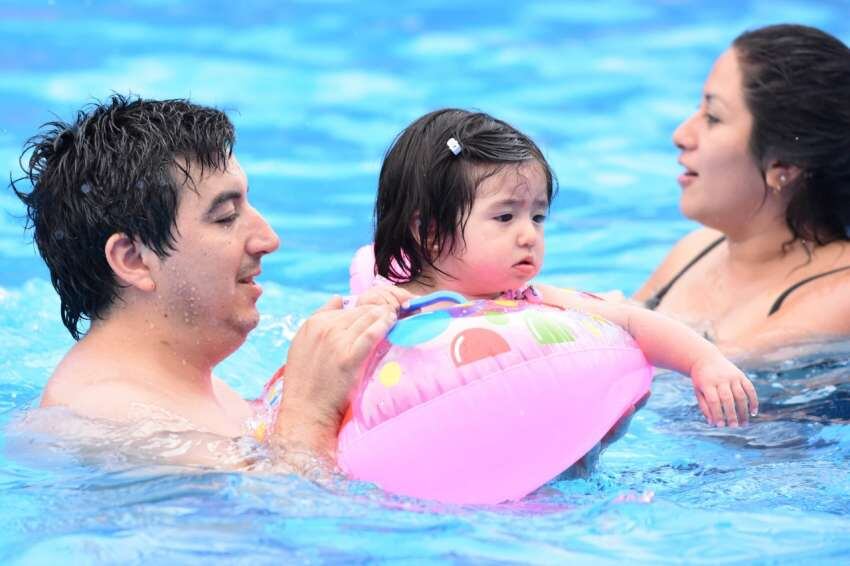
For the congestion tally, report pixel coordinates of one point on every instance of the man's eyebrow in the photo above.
(222, 198)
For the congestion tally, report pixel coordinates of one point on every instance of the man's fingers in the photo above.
(366, 339)
(333, 304)
(358, 319)
(401, 295)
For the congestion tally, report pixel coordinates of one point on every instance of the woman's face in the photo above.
(722, 186)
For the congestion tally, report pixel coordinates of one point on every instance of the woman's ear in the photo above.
(779, 175)
(129, 260)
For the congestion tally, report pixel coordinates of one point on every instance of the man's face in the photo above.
(206, 284)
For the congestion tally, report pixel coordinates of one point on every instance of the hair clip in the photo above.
(454, 146)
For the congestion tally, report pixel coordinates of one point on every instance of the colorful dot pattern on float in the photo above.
(466, 342)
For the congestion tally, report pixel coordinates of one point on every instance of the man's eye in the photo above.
(227, 220)
(504, 217)
(539, 218)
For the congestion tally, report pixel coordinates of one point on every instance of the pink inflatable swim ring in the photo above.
(486, 401)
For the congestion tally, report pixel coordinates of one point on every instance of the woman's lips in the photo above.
(686, 178)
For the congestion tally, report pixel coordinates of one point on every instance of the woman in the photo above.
(767, 173)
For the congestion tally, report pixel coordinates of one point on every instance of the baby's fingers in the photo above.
(727, 399)
(715, 407)
(752, 396)
(703, 406)
(741, 402)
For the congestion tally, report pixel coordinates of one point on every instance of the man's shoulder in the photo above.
(95, 386)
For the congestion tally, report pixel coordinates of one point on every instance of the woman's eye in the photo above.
(711, 119)
(505, 217)
(539, 218)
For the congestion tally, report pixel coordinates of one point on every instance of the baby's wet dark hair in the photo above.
(118, 167)
(426, 188)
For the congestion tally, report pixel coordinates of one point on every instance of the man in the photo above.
(141, 212)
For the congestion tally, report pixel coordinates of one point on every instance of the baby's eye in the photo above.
(539, 218)
(504, 217)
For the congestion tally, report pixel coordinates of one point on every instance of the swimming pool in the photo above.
(317, 91)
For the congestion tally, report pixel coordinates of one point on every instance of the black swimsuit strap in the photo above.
(655, 300)
(778, 302)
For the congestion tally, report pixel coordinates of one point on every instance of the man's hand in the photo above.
(322, 368)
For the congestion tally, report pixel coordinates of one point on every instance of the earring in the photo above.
(782, 179)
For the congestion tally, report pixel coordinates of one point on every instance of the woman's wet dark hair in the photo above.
(119, 167)
(422, 179)
(796, 83)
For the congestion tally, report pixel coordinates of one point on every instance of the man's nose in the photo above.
(264, 240)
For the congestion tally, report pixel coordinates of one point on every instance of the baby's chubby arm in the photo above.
(724, 393)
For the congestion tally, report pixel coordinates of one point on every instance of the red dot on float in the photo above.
(474, 344)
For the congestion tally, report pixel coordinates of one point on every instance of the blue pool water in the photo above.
(318, 91)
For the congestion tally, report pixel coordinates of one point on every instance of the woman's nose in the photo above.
(683, 135)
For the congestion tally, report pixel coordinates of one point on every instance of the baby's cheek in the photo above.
(496, 271)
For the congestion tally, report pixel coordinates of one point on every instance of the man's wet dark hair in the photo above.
(796, 82)
(119, 167)
(422, 176)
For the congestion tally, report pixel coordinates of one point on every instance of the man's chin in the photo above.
(243, 325)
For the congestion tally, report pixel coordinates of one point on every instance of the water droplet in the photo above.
(85, 188)
(59, 235)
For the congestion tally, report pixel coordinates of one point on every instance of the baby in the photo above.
(462, 204)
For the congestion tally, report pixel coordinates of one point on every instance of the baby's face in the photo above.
(503, 243)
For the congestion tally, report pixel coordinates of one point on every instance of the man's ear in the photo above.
(129, 260)
(779, 175)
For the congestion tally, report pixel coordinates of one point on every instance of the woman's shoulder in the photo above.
(820, 298)
(682, 253)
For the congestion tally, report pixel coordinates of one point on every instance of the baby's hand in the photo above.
(724, 394)
(385, 295)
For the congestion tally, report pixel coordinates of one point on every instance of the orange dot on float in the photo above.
(474, 344)
(390, 374)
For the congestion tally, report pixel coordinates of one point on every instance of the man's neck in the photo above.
(179, 358)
